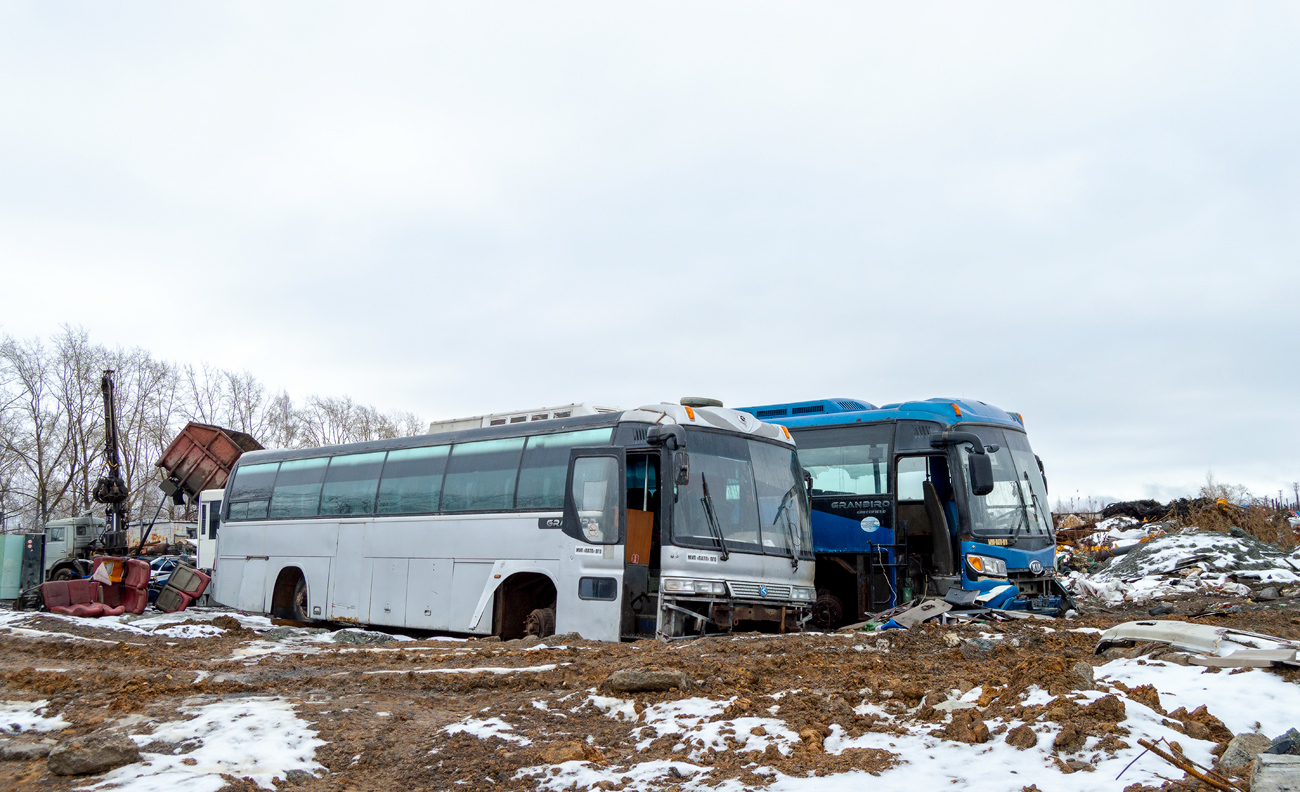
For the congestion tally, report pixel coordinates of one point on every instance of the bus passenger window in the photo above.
(546, 464)
(412, 480)
(250, 492)
(350, 484)
(297, 488)
(481, 476)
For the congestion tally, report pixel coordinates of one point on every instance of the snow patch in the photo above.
(17, 717)
(258, 737)
(487, 727)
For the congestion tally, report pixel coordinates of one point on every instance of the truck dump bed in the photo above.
(201, 457)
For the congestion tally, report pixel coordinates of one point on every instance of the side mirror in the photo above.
(981, 474)
(682, 466)
(672, 436)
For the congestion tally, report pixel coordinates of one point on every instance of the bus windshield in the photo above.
(744, 496)
(1017, 506)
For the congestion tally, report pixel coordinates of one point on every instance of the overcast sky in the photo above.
(1086, 213)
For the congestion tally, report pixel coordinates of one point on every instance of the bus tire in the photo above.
(540, 623)
(63, 573)
(298, 605)
(828, 611)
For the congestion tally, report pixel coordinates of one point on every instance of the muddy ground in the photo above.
(387, 731)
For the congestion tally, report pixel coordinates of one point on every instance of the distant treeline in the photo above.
(52, 421)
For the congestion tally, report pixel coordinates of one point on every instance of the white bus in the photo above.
(520, 416)
(663, 521)
(209, 522)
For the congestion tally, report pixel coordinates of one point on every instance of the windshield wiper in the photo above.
(1024, 514)
(795, 539)
(712, 517)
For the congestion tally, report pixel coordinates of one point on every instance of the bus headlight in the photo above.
(987, 565)
(803, 593)
(682, 586)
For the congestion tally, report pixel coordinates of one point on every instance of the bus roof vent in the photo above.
(852, 406)
(808, 409)
(770, 413)
(639, 435)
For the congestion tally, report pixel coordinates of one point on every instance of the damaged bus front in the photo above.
(940, 497)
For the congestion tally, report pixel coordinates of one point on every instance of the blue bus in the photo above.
(942, 497)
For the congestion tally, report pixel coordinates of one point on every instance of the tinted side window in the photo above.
(350, 484)
(546, 465)
(412, 480)
(250, 492)
(297, 488)
(481, 476)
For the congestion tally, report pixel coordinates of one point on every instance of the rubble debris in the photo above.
(1220, 647)
(966, 726)
(1176, 759)
(928, 609)
(1022, 737)
(641, 680)
(353, 636)
(1141, 510)
(1288, 743)
(1082, 673)
(573, 751)
(1243, 749)
(92, 754)
(1271, 773)
(14, 751)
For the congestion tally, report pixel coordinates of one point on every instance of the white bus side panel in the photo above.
(428, 588)
(252, 588)
(468, 579)
(349, 597)
(388, 591)
(234, 552)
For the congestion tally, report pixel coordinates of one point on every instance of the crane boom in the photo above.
(111, 489)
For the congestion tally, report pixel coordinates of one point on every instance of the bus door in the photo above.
(588, 596)
(927, 510)
(641, 549)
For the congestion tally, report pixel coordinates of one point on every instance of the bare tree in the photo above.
(52, 420)
(1233, 493)
(35, 437)
(79, 366)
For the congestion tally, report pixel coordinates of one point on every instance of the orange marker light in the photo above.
(956, 409)
(787, 434)
(690, 413)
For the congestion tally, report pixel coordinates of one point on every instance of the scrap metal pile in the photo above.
(1124, 559)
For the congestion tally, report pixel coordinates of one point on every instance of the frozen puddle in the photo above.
(17, 717)
(258, 737)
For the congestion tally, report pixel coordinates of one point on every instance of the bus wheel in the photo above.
(298, 605)
(827, 611)
(540, 623)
